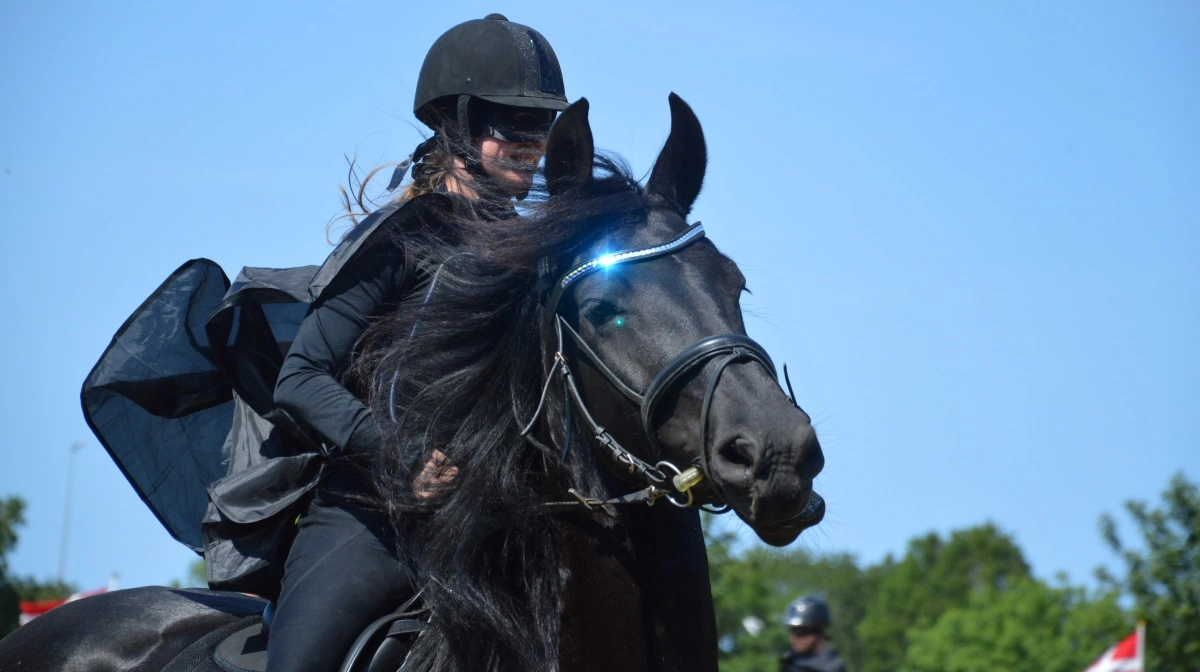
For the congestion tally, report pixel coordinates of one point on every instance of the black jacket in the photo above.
(309, 387)
(826, 661)
(184, 401)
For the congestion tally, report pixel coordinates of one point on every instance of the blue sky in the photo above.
(972, 230)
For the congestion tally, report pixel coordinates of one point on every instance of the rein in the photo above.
(726, 349)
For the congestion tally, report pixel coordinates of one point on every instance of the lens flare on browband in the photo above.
(609, 259)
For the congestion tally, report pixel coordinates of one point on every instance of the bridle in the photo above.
(724, 349)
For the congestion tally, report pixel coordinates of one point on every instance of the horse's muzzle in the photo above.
(766, 475)
(785, 532)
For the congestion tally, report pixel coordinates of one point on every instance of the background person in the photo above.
(808, 620)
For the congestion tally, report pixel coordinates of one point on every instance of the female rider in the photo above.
(489, 89)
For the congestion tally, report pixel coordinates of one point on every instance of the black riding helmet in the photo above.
(809, 613)
(494, 77)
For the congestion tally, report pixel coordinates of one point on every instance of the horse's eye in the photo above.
(600, 313)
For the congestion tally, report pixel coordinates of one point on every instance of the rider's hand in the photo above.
(437, 473)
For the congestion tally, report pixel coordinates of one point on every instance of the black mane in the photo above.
(453, 369)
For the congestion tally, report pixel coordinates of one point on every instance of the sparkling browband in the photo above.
(694, 231)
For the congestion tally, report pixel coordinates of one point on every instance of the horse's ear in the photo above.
(569, 150)
(679, 171)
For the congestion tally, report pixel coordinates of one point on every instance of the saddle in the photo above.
(241, 646)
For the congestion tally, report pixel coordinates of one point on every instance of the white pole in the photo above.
(1141, 647)
(62, 548)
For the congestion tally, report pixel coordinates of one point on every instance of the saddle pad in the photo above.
(243, 651)
(240, 646)
(200, 656)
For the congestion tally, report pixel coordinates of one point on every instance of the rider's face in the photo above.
(511, 164)
(804, 640)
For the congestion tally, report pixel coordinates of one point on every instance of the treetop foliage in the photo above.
(967, 602)
(14, 589)
(1163, 575)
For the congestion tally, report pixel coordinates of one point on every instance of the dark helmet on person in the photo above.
(489, 74)
(807, 612)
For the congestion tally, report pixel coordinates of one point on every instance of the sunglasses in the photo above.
(517, 124)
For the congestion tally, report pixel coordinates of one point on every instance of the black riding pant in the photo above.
(341, 574)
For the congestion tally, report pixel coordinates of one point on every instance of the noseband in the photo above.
(725, 349)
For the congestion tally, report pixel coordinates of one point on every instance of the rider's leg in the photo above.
(341, 574)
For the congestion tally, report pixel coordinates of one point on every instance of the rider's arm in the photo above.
(309, 387)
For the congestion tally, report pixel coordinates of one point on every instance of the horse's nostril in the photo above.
(813, 462)
(736, 454)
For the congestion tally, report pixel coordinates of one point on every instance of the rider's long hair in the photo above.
(433, 162)
(458, 368)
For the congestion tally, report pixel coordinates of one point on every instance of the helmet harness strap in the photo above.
(414, 160)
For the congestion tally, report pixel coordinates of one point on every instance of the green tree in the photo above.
(968, 602)
(1027, 626)
(12, 515)
(197, 573)
(1164, 577)
(935, 576)
(197, 576)
(759, 582)
(14, 589)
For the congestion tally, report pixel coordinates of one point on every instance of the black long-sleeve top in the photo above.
(826, 661)
(309, 390)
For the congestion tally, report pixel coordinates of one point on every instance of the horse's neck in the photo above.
(638, 594)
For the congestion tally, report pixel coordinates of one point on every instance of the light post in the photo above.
(62, 548)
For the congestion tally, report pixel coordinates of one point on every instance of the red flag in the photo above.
(1124, 656)
(34, 608)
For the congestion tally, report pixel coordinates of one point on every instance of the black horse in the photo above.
(576, 365)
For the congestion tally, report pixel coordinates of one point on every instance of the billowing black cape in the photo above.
(182, 401)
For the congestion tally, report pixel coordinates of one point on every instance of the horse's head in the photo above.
(649, 320)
